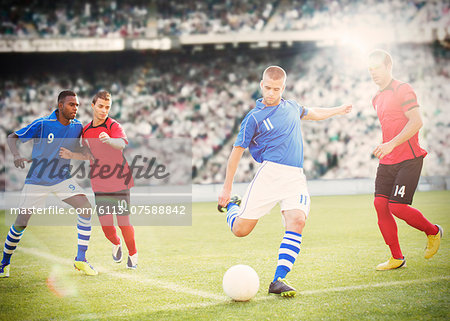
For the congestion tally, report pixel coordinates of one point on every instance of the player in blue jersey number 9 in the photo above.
(49, 135)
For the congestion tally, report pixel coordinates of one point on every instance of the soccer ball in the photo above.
(240, 282)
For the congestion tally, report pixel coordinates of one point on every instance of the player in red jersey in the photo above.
(110, 175)
(401, 159)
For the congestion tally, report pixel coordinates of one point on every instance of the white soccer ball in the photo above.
(240, 282)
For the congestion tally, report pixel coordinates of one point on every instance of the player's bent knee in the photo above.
(296, 216)
(295, 220)
(22, 220)
(78, 201)
(243, 227)
(297, 223)
(82, 205)
(241, 232)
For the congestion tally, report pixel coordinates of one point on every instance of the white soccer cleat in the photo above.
(132, 261)
(117, 252)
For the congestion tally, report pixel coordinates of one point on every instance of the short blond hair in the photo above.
(383, 55)
(275, 73)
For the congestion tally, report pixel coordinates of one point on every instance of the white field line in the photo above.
(128, 276)
(218, 299)
(174, 307)
(375, 285)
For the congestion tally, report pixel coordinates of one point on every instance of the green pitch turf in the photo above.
(180, 270)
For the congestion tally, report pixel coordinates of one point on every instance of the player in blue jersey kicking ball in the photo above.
(272, 132)
(49, 174)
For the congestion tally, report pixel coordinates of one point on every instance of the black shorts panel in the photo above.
(116, 203)
(398, 182)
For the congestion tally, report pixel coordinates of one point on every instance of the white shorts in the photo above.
(36, 195)
(275, 183)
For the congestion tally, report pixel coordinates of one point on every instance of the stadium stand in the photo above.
(205, 95)
(301, 14)
(194, 17)
(341, 147)
(46, 19)
(116, 18)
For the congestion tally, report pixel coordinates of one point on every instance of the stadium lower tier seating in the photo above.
(205, 95)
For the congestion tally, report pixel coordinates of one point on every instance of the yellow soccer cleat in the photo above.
(391, 264)
(85, 267)
(282, 287)
(433, 243)
(4, 270)
(236, 199)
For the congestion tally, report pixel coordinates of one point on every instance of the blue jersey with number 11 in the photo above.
(273, 133)
(49, 136)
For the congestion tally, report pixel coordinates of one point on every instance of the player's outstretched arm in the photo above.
(19, 161)
(233, 161)
(411, 128)
(318, 113)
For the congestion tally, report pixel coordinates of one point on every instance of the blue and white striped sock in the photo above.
(84, 234)
(288, 252)
(232, 213)
(12, 239)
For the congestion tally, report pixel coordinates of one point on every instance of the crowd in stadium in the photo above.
(195, 17)
(205, 98)
(342, 147)
(137, 18)
(103, 18)
(301, 15)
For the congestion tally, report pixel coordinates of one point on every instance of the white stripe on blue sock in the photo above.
(232, 213)
(288, 252)
(12, 239)
(84, 234)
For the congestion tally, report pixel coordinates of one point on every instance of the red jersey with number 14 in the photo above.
(391, 104)
(110, 172)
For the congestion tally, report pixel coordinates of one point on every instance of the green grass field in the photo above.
(180, 270)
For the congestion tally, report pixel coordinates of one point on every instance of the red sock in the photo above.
(128, 233)
(413, 217)
(107, 222)
(388, 227)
